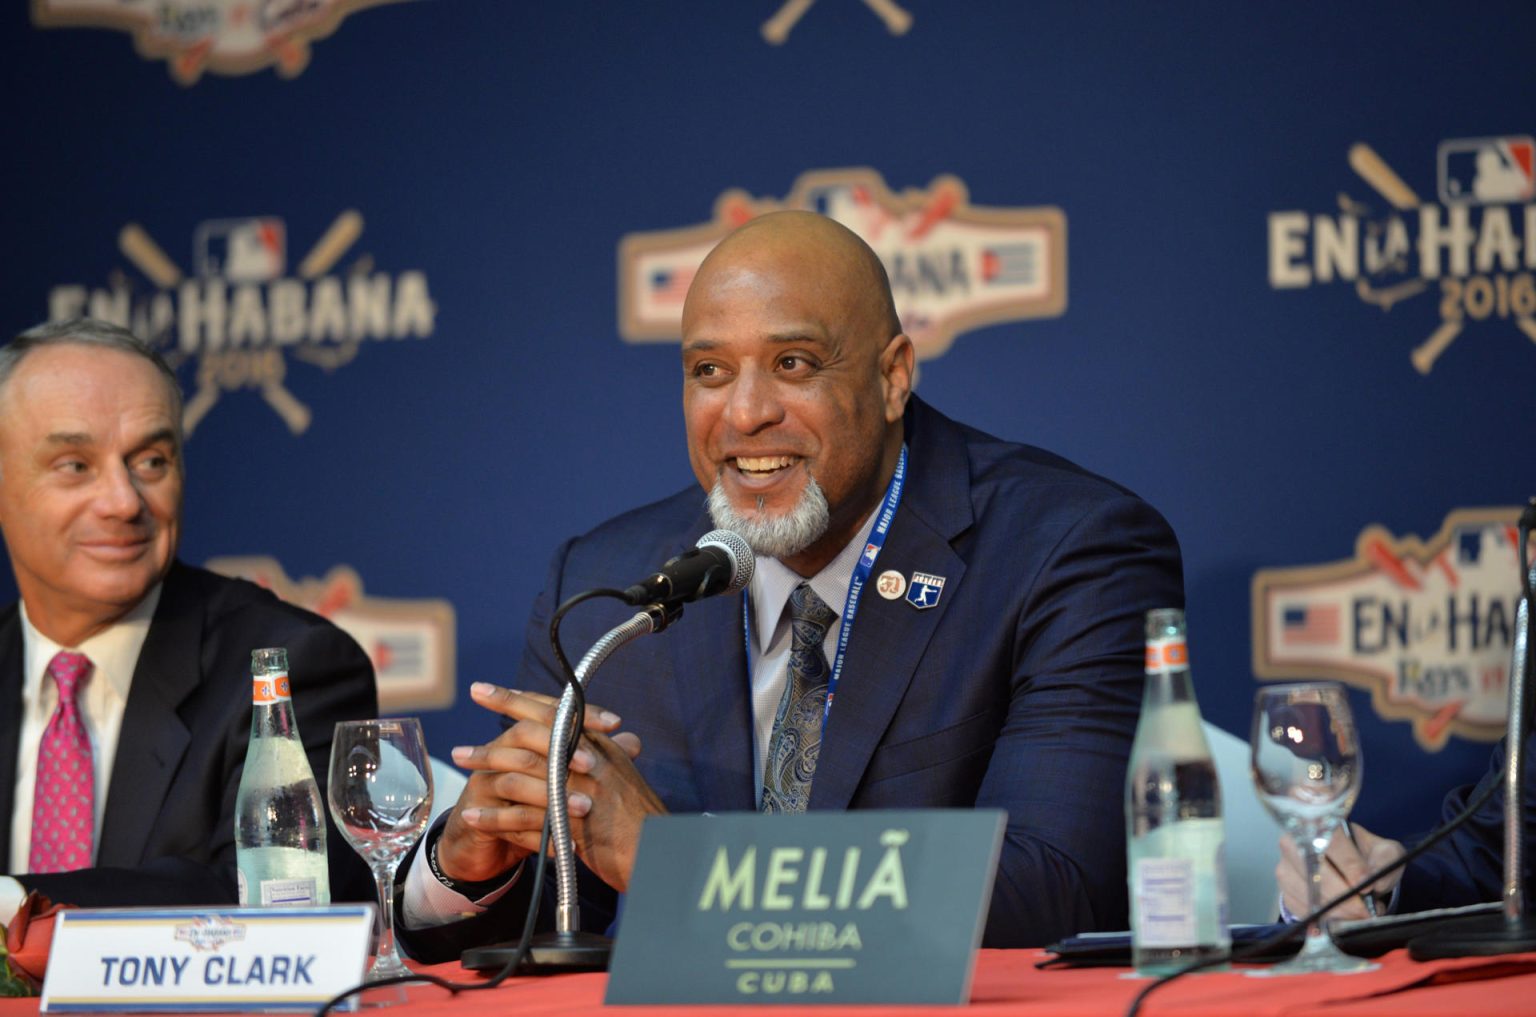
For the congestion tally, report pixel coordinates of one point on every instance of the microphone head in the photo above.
(743, 563)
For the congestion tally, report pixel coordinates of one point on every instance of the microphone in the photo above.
(721, 562)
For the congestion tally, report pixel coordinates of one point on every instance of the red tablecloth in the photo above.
(1007, 982)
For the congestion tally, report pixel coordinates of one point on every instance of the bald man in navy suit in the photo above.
(995, 657)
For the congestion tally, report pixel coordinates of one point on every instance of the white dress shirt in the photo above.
(114, 653)
(427, 901)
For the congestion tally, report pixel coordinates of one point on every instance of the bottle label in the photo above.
(277, 893)
(287, 893)
(1165, 902)
(1165, 656)
(1223, 914)
(269, 688)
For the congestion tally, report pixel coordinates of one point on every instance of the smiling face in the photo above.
(90, 485)
(794, 370)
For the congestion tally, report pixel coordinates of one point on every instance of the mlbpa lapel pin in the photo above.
(924, 590)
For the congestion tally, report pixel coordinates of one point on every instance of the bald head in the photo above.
(826, 258)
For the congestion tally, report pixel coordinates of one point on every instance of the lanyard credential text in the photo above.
(861, 571)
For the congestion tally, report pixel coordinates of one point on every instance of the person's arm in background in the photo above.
(1346, 863)
(1465, 868)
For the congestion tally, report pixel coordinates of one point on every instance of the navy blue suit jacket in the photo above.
(168, 831)
(1019, 690)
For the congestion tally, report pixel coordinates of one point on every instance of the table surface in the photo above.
(1008, 982)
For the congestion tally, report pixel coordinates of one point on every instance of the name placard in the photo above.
(824, 907)
(194, 960)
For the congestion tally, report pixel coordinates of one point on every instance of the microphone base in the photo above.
(1477, 936)
(549, 952)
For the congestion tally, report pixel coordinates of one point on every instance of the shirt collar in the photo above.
(114, 652)
(773, 582)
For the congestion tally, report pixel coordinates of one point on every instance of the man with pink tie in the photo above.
(125, 697)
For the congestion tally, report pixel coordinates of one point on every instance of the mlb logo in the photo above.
(838, 201)
(924, 590)
(1487, 171)
(241, 250)
(870, 550)
(1469, 546)
(1474, 544)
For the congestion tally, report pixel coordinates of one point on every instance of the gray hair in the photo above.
(774, 536)
(88, 332)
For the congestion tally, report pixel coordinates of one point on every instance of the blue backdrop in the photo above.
(470, 168)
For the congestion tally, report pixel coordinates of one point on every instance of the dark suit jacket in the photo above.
(1468, 866)
(168, 832)
(1020, 690)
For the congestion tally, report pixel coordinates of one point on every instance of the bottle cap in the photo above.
(269, 660)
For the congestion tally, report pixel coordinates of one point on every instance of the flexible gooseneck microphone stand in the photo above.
(1513, 930)
(721, 562)
(568, 947)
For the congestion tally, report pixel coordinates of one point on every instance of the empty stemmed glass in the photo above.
(381, 797)
(1306, 765)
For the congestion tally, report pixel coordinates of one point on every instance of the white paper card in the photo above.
(195, 960)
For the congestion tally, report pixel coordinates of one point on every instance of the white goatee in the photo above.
(775, 536)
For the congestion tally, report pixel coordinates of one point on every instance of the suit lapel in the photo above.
(711, 681)
(888, 639)
(10, 725)
(890, 636)
(153, 738)
(709, 660)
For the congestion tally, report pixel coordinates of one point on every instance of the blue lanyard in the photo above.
(860, 576)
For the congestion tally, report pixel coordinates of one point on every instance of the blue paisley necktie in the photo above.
(796, 740)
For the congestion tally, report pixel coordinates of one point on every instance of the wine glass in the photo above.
(1306, 765)
(381, 798)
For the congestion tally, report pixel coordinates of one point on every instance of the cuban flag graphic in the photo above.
(1010, 264)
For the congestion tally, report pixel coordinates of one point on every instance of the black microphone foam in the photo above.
(721, 562)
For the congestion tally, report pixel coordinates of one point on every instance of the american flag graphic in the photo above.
(670, 285)
(1316, 625)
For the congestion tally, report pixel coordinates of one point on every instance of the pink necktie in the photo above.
(64, 801)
